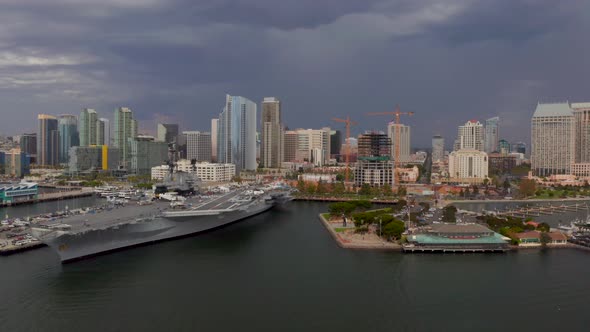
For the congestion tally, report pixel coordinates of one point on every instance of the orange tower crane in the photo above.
(348, 124)
(397, 113)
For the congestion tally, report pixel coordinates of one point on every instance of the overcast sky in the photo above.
(173, 60)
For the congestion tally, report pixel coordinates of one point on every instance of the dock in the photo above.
(83, 192)
(12, 249)
(543, 210)
(342, 199)
(443, 249)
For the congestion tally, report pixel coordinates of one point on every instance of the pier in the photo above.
(82, 192)
(343, 199)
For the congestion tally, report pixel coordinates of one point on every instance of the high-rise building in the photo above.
(271, 152)
(125, 129)
(68, 135)
(103, 132)
(47, 140)
(309, 140)
(582, 131)
(492, 135)
(470, 136)
(28, 145)
(236, 142)
(214, 126)
(374, 165)
(438, 148)
(198, 145)
(87, 127)
(552, 139)
(168, 132)
(404, 142)
(290, 146)
(468, 166)
(335, 143)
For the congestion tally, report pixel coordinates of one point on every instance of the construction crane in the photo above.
(348, 124)
(397, 113)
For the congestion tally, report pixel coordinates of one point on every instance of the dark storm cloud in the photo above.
(447, 61)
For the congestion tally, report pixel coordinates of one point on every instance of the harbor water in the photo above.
(282, 271)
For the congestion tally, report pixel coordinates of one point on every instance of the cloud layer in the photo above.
(446, 61)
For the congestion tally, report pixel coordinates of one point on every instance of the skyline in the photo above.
(464, 59)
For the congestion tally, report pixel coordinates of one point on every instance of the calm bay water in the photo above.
(281, 271)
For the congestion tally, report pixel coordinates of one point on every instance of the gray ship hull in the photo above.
(74, 246)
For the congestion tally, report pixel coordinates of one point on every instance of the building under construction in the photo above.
(374, 165)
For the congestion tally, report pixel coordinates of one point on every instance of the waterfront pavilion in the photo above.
(457, 238)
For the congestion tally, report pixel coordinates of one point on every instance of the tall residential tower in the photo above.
(237, 133)
(68, 135)
(271, 153)
(87, 127)
(492, 135)
(47, 141)
(125, 129)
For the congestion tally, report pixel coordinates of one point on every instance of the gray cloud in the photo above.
(448, 62)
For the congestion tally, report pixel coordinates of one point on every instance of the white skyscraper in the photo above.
(404, 142)
(198, 145)
(552, 139)
(236, 142)
(582, 131)
(470, 136)
(492, 135)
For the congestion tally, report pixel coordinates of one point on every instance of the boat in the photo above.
(78, 236)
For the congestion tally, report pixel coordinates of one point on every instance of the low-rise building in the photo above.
(23, 191)
(557, 239)
(409, 175)
(205, 171)
(529, 239)
(456, 238)
(317, 177)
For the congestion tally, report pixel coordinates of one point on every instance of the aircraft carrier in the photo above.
(115, 227)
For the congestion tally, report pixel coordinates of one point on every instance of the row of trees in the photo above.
(338, 188)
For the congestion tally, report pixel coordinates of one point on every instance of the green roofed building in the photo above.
(456, 238)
